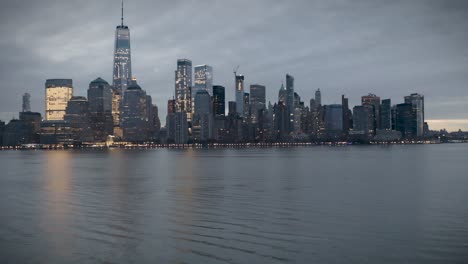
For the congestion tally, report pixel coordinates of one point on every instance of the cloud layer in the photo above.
(390, 48)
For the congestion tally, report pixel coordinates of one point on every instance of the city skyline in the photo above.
(155, 75)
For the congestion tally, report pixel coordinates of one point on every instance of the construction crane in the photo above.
(235, 71)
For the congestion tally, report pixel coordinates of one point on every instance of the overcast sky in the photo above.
(389, 48)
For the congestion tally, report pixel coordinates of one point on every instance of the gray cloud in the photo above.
(390, 48)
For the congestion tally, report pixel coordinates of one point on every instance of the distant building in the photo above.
(219, 105)
(181, 128)
(404, 120)
(203, 80)
(280, 122)
(100, 109)
(318, 98)
(282, 95)
(57, 94)
(246, 114)
(202, 118)
(26, 106)
(313, 105)
(183, 87)
(290, 105)
(347, 115)
(240, 95)
(386, 114)
(334, 121)
(17, 132)
(135, 114)
(417, 109)
(77, 115)
(363, 120)
(374, 101)
(56, 132)
(2, 130)
(257, 100)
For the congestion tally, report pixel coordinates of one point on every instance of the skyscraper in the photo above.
(318, 98)
(202, 118)
(57, 94)
(122, 58)
(77, 114)
(246, 105)
(374, 101)
(282, 95)
(386, 114)
(100, 109)
(26, 107)
(290, 93)
(334, 120)
(240, 95)
(257, 100)
(404, 120)
(290, 101)
(203, 79)
(417, 108)
(347, 115)
(183, 87)
(135, 114)
(219, 103)
(363, 120)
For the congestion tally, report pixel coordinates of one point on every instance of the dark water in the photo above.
(370, 204)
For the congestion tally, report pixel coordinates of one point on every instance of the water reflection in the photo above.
(57, 215)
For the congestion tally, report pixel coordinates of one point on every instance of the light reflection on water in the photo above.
(296, 205)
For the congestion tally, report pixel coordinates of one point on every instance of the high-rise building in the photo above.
(280, 122)
(282, 95)
(404, 120)
(257, 100)
(374, 101)
(135, 114)
(347, 115)
(26, 107)
(232, 109)
(203, 79)
(122, 58)
(246, 105)
(386, 114)
(202, 118)
(170, 121)
(290, 93)
(417, 106)
(181, 128)
(57, 94)
(318, 98)
(77, 115)
(203, 99)
(313, 104)
(100, 109)
(363, 120)
(240, 95)
(183, 87)
(219, 105)
(171, 104)
(334, 120)
(290, 101)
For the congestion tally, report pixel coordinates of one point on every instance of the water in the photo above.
(369, 204)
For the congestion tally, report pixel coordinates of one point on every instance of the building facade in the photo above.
(57, 93)
(183, 87)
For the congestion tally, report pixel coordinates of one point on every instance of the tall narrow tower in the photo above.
(122, 57)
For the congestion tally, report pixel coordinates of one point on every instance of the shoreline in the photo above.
(213, 145)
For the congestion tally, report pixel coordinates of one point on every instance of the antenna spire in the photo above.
(122, 14)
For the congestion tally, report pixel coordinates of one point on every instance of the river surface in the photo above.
(353, 204)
